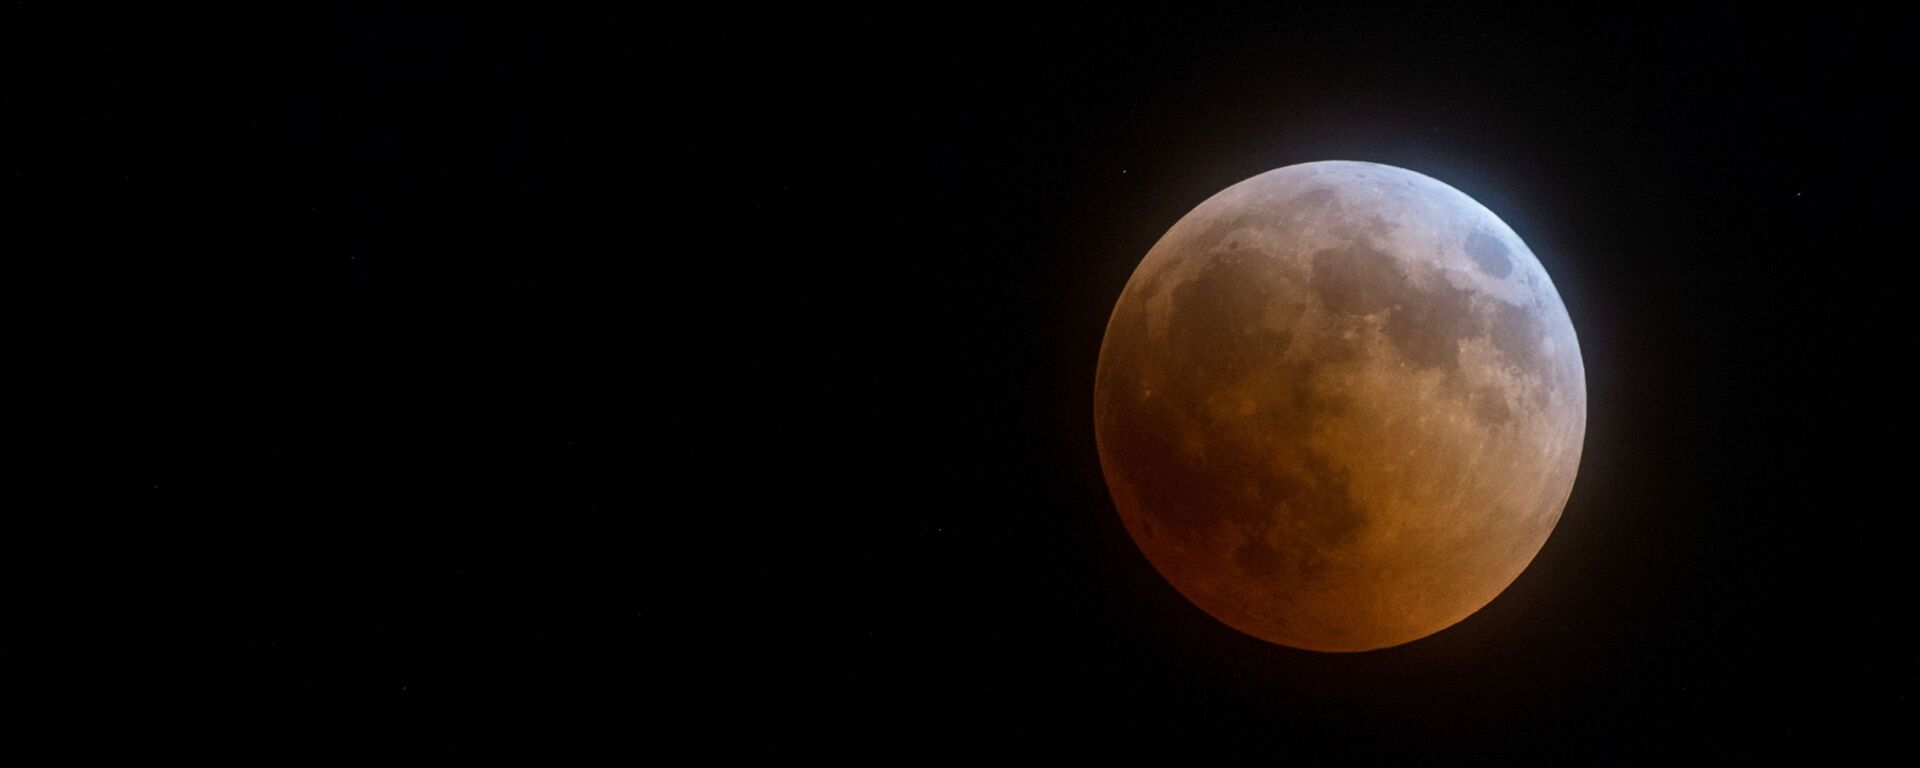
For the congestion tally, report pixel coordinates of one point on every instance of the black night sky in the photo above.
(484, 383)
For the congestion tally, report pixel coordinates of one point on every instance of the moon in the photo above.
(1340, 406)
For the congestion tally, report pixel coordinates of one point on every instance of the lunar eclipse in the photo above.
(1318, 382)
(1340, 406)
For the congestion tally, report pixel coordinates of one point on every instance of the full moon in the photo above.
(1340, 406)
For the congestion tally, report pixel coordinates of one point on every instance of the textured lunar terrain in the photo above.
(1340, 406)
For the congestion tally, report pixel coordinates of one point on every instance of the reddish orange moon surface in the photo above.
(1340, 406)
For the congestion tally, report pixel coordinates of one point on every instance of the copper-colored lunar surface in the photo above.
(1340, 406)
